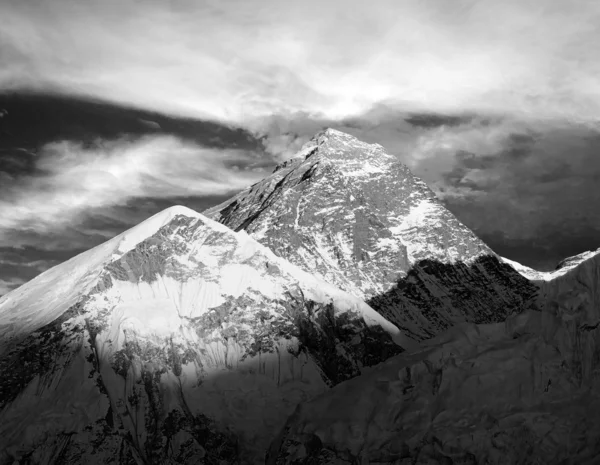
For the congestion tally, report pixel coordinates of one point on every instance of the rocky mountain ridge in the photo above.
(525, 391)
(351, 213)
(357, 217)
(179, 341)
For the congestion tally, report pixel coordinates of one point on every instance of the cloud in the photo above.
(72, 180)
(241, 61)
(519, 184)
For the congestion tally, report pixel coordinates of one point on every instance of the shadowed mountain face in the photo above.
(178, 341)
(434, 296)
(355, 216)
(525, 391)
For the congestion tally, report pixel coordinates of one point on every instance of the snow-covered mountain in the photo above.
(357, 217)
(351, 213)
(525, 391)
(179, 341)
(338, 291)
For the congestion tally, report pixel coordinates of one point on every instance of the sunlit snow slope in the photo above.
(179, 341)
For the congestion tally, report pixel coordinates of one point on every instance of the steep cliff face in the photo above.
(434, 296)
(179, 341)
(573, 297)
(526, 391)
(356, 216)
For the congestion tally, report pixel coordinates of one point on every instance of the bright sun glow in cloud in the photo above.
(237, 61)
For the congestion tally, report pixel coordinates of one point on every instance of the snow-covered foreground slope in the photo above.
(526, 391)
(178, 341)
(356, 216)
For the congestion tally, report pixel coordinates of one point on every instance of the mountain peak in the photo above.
(331, 133)
(335, 132)
(334, 136)
(130, 238)
(179, 326)
(354, 215)
(62, 285)
(346, 205)
(349, 154)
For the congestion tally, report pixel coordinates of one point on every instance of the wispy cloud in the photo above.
(238, 61)
(72, 180)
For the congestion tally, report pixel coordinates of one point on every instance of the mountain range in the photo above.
(333, 313)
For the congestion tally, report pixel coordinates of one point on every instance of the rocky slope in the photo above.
(356, 216)
(526, 391)
(179, 341)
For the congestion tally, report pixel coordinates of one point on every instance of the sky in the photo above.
(112, 110)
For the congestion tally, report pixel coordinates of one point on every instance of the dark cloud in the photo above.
(35, 119)
(544, 252)
(431, 120)
(480, 171)
(14, 161)
(534, 198)
(519, 145)
(559, 170)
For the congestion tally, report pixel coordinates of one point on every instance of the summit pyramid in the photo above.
(355, 215)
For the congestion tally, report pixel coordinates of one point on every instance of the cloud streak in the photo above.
(72, 180)
(239, 61)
